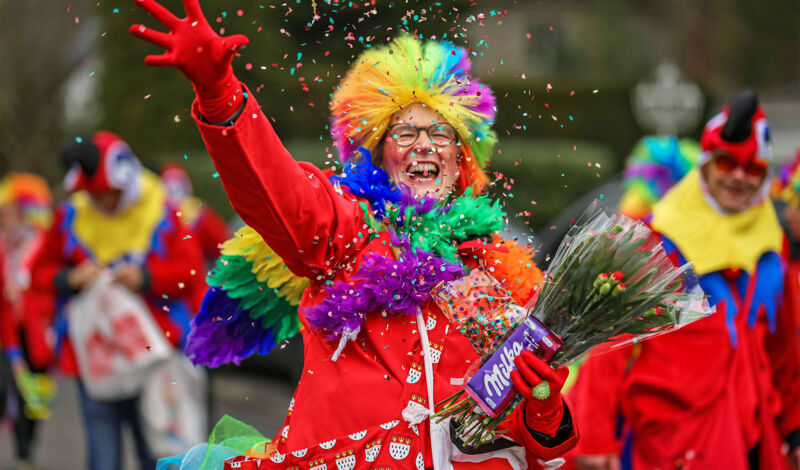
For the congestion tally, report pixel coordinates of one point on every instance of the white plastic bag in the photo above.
(173, 407)
(116, 340)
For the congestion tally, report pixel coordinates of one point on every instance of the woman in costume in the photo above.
(117, 219)
(25, 215)
(359, 253)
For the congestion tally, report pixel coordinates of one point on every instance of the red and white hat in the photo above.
(101, 164)
(741, 130)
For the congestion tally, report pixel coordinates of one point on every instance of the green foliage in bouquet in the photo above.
(613, 283)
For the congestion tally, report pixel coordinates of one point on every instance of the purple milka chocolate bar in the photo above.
(491, 386)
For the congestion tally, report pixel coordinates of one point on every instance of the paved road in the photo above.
(254, 400)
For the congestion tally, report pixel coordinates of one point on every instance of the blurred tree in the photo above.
(297, 53)
(300, 48)
(738, 43)
(43, 43)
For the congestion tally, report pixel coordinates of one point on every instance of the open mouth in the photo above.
(423, 171)
(736, 191)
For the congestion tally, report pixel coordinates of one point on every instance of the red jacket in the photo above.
(173, 267)
(341, 410)
(27, 312)
(9, 336)
(691, 397)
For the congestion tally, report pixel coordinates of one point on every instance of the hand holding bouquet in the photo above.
(609, 280)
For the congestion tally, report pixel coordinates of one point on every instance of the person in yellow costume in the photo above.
(118, 220)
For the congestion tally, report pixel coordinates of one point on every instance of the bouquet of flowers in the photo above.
(609, 281)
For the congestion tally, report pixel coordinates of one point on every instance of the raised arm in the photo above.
(291, 205)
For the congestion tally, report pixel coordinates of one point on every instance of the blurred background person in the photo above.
(25, 214)
(716, 394)
(118, 219)
(788, 195)
(201, 219)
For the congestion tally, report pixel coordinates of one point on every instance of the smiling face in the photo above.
(429, 169)
(732, 185)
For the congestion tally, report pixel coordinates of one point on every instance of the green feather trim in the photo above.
(234, 274)
(465, 217)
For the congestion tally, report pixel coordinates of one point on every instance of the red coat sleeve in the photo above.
(596, 396)
(48, 269)
(39, 309)
(49, 260)
(539, 446)
(536, 448)
(9, 335)
(292, 205)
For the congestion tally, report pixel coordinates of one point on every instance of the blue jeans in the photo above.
(104, 421)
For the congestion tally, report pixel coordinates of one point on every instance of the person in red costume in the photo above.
(201, 220)
(352, 397)
(118, 218)
(721, 393)
(788, 188)
(25, 213)
(205, 223)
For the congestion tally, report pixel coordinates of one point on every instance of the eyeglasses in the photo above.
(440, 135)
(727, 164)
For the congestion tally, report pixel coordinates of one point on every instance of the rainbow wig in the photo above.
(407, 71)
(31, 194)
(655, 165)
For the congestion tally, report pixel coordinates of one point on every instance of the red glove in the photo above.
(200, 53)
(544, 413)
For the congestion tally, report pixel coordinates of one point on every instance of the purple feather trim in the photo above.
(222, 332)
(381, 284)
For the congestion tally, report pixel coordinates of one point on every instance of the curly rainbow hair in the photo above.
(407, 71)
(31, 194)
(655, 165)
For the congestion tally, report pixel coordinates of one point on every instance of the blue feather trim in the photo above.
(366, 180)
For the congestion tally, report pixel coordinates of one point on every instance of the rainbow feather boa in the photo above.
(426, 235)
(251, 304)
